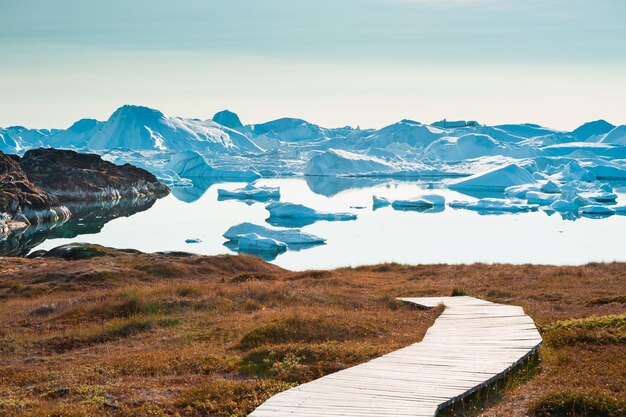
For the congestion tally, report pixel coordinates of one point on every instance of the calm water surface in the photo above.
(382, 235)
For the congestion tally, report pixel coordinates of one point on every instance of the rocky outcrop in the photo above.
(23, 203)
(72, 176)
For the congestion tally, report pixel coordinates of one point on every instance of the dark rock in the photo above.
(76, 251)
(22, 202)
(72, 176)
(177, 254)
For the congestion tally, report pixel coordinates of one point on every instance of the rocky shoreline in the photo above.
(36, 189)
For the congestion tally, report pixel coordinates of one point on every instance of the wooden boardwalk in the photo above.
(472, 344)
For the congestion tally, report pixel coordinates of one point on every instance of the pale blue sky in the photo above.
(334, 62)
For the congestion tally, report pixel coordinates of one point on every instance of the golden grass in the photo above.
(136, 334)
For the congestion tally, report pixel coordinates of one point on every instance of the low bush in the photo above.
(576, 404)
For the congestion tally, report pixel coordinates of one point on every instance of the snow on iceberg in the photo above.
(253, 243)
(138, 127)
(494, 205)
(464, 147)
(190, 164)
(298, 215)
(496, 180)
(336, 162)
(250, 192)
(616, 136)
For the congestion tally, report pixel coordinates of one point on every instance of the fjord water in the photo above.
(381, 235)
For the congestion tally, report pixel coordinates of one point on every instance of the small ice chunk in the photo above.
(423, 202)
(380, 202)
(194, 240)
(494, 205)
(250, 192)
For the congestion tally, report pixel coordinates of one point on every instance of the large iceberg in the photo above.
(496, 180)
(337, 162)
(190, 164)
(137, 127)
(465, 147)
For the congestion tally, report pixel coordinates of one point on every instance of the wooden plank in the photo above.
(471, 344)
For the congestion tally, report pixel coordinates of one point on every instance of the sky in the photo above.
(558, 63)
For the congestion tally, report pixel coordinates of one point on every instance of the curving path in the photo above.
(471, 344)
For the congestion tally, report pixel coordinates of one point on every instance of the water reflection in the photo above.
(193, 192)
(87, 218)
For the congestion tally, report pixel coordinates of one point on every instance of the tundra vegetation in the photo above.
(128, 334)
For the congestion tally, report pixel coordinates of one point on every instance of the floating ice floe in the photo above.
(298, 215)
(421, 203)
(597, 210)
(294, 238)
(496, 180)
(379, 202)
(494, 205)
(193, 240)
(250, 192)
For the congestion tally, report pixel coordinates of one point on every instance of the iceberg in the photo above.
(421, 203)
(465, 147)
(597, 210)
(190, 164)
(592, 130)
(496, 180)
(616, 136)
(298, 215)
(252, 243)
(137, 127)
(542, 199)
(292, 237)
(379, 202)
(227, 118)
(337, 162)
(550, 187)
(250, 192)
(494, 205)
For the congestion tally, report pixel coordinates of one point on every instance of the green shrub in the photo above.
(574, 404)
(595, 330)
(458, 292)
(228, 398)
(299, 329)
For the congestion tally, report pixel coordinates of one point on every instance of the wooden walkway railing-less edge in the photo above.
(471, 344)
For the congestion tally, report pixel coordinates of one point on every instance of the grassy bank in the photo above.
(134, 334)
